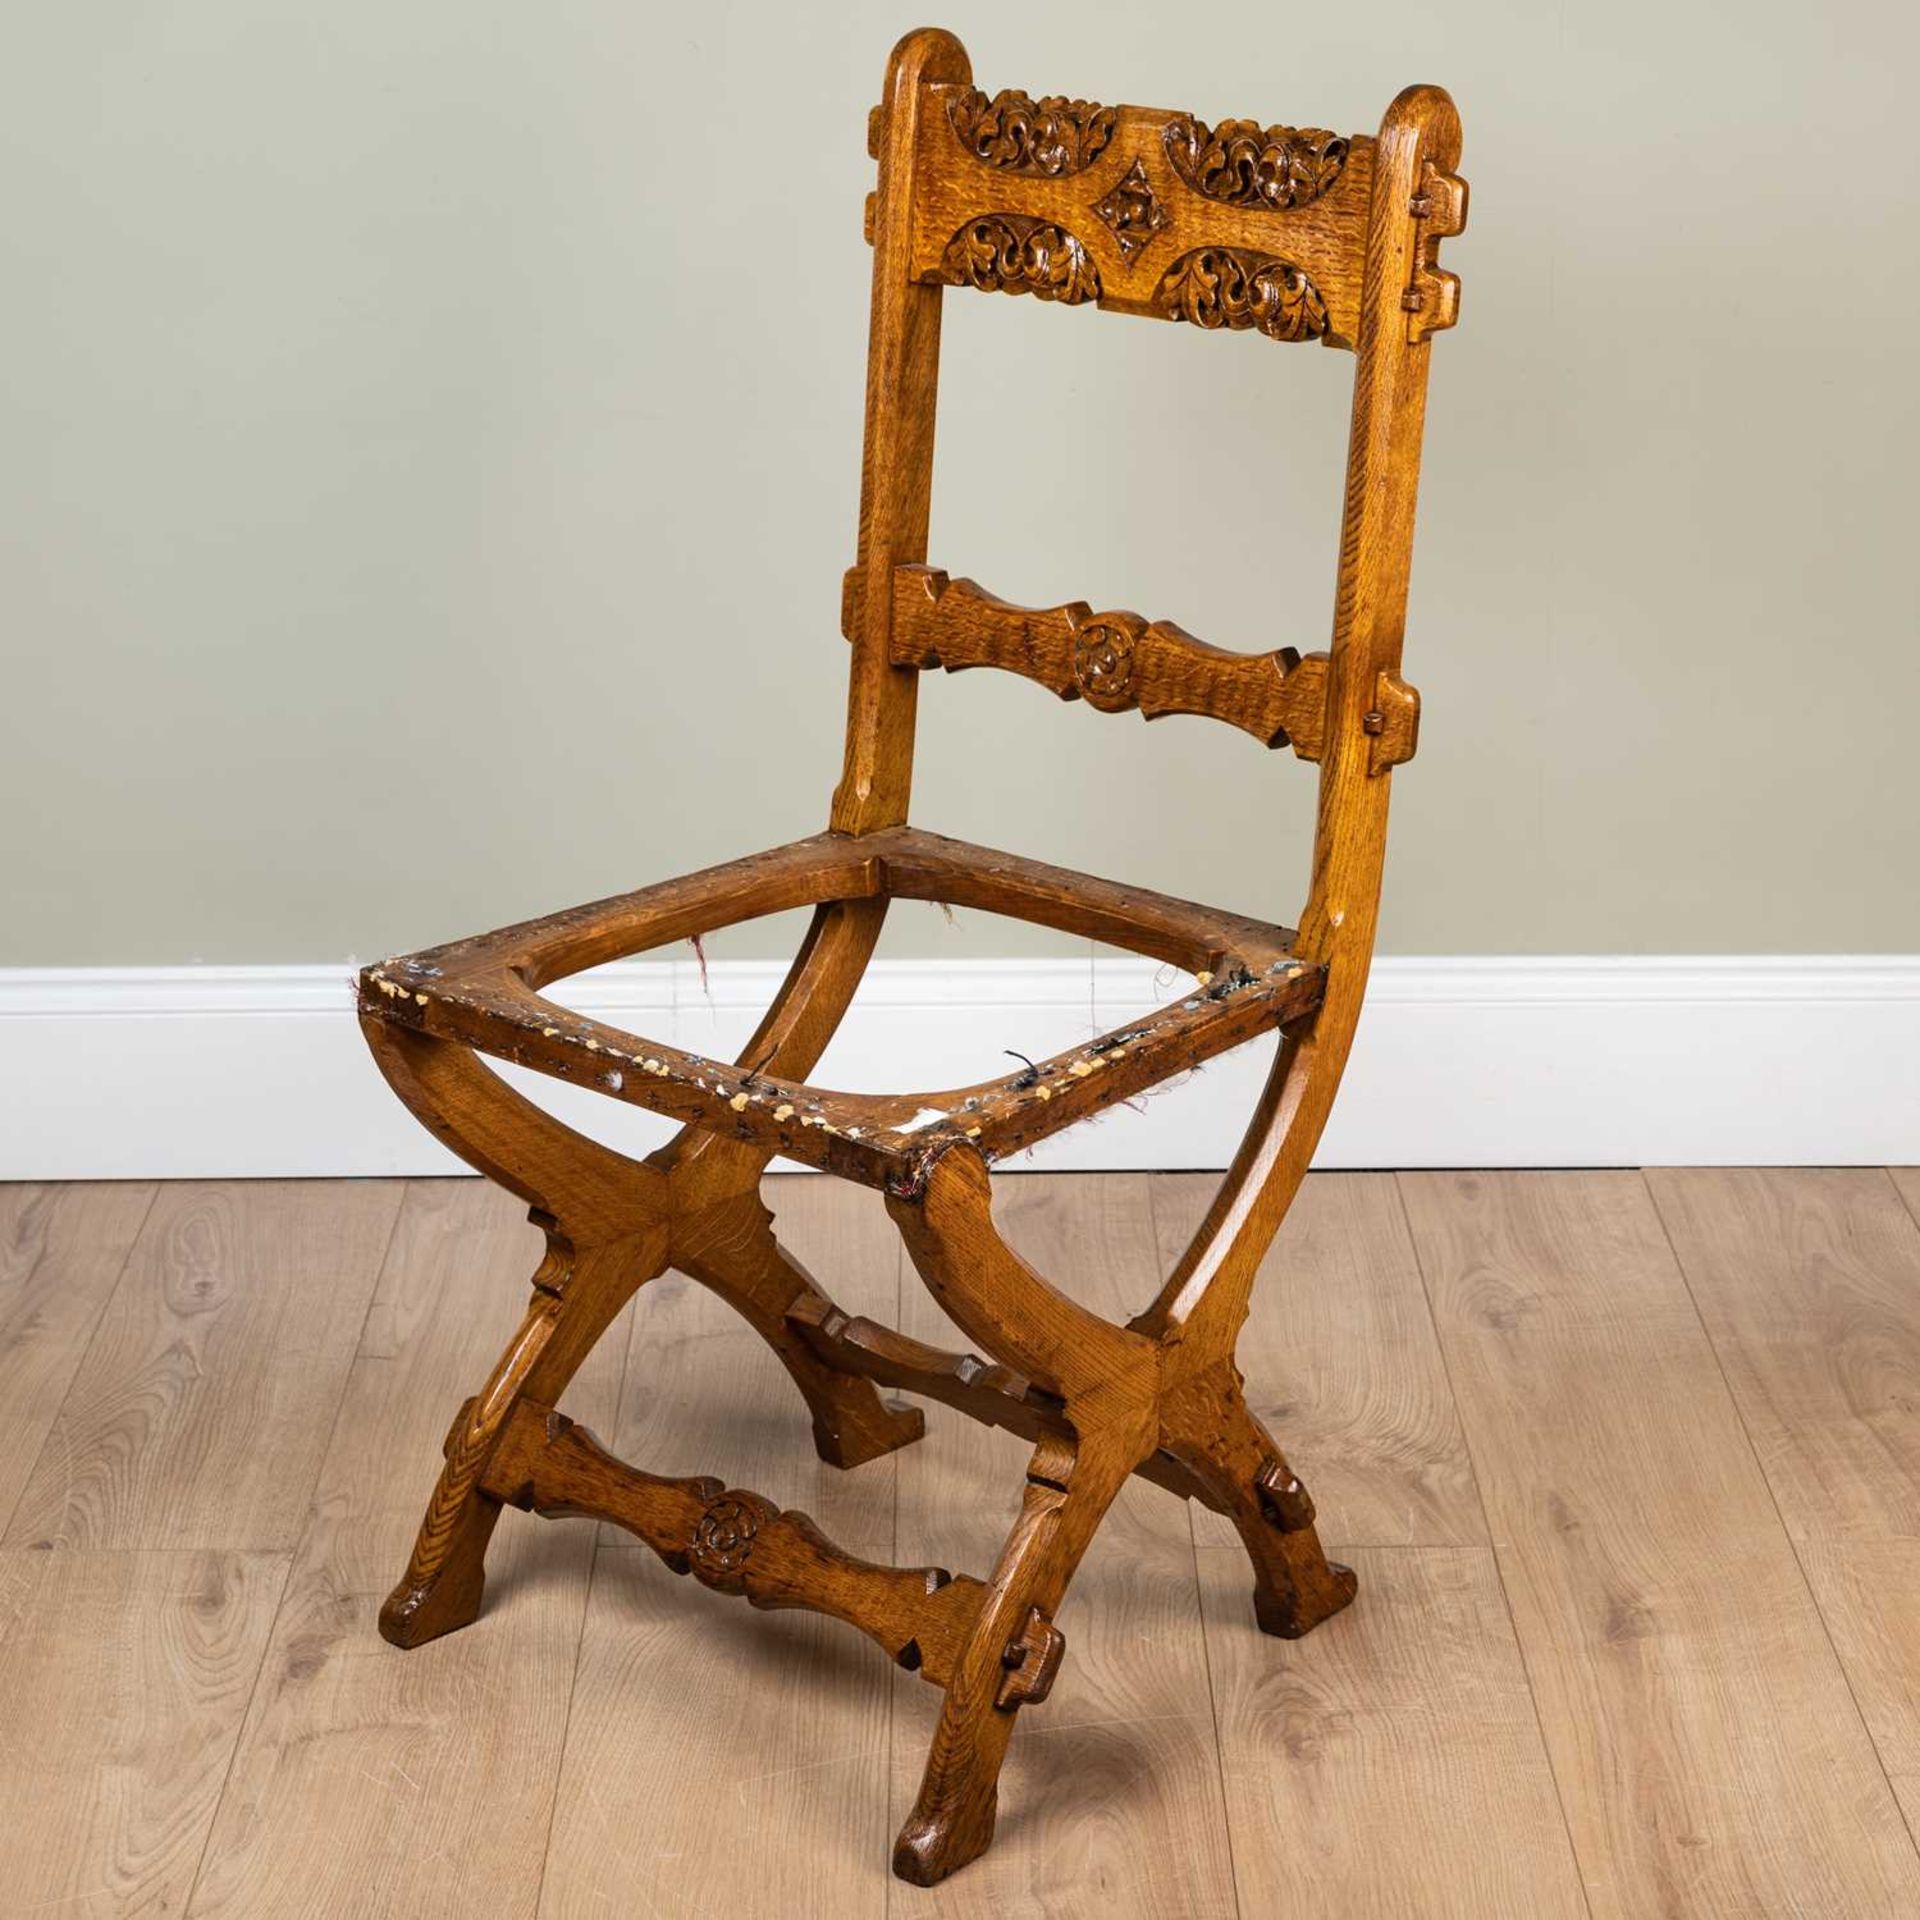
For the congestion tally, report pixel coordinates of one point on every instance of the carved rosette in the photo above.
(1010, 253)
(1237, 288)
(1055, 136)
(1132, 210)
(723, 1541)
(1243, 164)
(1103, 665)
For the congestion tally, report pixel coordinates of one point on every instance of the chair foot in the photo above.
(1012, 1655)
(576, 1295)
(1295, 1609)
(858, 1426)
(932, 1846)
(1244, 1475)
(420, 1608)
(728, 1245)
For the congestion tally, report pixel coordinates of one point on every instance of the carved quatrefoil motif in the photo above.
(1132, 210)
(724, 1539)
(1103, 665)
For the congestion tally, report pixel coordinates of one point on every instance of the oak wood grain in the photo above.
(379, 1783)
(61, 1251)
(1672, 1644)
(1340, 1356)
(125, 1677)
(1869, 1594)
(1112, 1790)
(200, 1413)
(1808, 1280)
(1809, 1283)
(706, 1741)
(1394, 1763)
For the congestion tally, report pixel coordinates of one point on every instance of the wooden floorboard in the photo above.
(1709, 1755)
(1391, 1762)
(1596, 1445)
(203, 1405)
(373, 1782)
(1341, 1362)
(62, 1249)
(123, 1680)
(1111, 1801)
(1809, 1284)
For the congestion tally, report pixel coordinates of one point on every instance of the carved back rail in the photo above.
(1232, 226)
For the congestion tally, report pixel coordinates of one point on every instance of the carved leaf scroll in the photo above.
(1011, 253)
(1113, 661)
(1243, 164)
(1237, 288)
(1011, 130)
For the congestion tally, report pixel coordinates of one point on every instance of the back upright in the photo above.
(1287, 233)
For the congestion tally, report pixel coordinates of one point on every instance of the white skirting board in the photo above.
(110, 1073)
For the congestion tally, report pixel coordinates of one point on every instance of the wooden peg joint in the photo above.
(1031, 1659)
(1391, 723)
(1282, 1498)
(1438, 209)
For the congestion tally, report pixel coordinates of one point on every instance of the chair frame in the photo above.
(1237, 227)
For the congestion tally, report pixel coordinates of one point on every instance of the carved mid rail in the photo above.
(1121, 662)
(1116, 661)
(735, 1542)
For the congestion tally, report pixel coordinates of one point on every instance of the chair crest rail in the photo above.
(1235, 225)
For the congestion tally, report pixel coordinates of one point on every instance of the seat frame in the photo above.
(1323, 238)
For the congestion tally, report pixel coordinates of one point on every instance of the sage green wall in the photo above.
(429, 447)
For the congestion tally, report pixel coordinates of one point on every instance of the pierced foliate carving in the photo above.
(1244, 164)
(1053, 136)
(1010, 253)
(1237, 288)
(1132, 210)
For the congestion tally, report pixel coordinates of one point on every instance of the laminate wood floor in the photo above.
(1629, 1467)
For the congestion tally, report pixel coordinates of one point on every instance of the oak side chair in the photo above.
(1291, 234)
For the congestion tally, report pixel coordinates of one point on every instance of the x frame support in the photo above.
(1099, 1402)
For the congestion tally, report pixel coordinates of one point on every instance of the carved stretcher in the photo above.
(1291, 234)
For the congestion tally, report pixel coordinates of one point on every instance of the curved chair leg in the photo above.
(1011, 1656)
(1107, 1378)
(729, 1247)
(723, 1230)
(1208, 1427)
(613, 1224)
(605, 1218)
(577, 1294)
